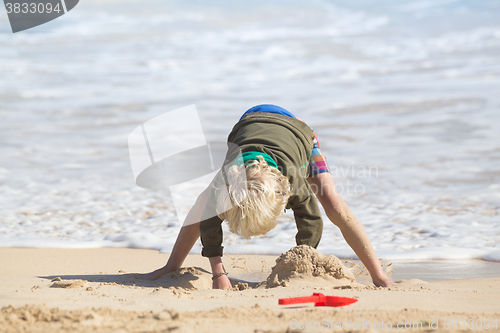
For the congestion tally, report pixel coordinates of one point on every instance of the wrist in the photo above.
(218, 275)
(381, 279)
(217, 266)
(379, 275)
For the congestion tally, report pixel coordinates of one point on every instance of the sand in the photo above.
(97, 290)
(304, 266)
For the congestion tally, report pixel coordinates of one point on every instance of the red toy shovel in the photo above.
(319, 300)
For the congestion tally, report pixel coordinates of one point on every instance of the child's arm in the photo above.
(339, 213)
(186, 239)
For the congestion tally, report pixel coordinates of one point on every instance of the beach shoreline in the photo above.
(44, 286)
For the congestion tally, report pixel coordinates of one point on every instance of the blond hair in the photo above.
(253, 209)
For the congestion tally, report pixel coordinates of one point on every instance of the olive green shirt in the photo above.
(289, 142)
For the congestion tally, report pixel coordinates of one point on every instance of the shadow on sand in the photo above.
(186, 277)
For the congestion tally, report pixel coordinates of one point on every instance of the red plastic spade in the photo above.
(319, 300)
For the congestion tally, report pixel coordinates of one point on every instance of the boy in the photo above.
(283, 167)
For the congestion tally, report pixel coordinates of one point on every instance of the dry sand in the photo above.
(96, 290)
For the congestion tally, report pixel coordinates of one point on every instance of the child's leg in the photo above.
(339, 213)
(188, 235)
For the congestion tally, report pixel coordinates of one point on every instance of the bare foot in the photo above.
(154, 275)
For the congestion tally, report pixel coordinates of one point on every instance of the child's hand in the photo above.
(383, 282)
(222, 282)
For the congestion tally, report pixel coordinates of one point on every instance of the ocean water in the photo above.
(404, 97)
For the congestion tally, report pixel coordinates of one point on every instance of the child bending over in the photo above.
(284, 167)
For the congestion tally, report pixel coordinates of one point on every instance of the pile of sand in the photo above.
(304, 266)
